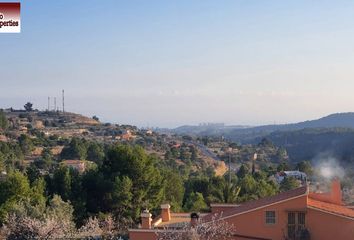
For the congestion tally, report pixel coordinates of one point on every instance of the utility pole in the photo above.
(255, 156)
(230, 149)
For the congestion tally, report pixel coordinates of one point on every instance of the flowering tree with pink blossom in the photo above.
(56, 223)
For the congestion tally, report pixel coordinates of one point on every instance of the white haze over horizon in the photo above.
(172, 63)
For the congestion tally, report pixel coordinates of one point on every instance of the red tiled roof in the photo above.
(260, 203)
(330, 207)
(239, 237)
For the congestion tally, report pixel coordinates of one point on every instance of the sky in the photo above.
(170, 63)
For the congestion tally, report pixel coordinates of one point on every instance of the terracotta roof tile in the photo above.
(330, 207)
(260, 203)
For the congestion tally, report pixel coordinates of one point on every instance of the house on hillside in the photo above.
(79, 165)
(38, 124)
(301, 176)
(174, 145)
(125, 135)
(23, 129)
(292, 215)
(56, 150)
(3, 175)
(3, 138)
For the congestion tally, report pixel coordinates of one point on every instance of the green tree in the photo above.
(168, 155)
(243, 171)
(184, 154)
(196, 202)
(224, 192)
(122, 197)
(46, 161)
(78, 196)
(26, 144)
(306, 167)
(28, 107)
(2, 161)
(10, 155)
(283, 166)
(199, 184)
(59, 209)
(265, 189)
(95, 153)
(37, 194)
(13, 189)
(266, 142)
(173, 189)
(16, 185)
(77, 149)
(96, 188)
(133, 162)
(61, 183)
(194, 153)
(282, 154)
(248, 188)
(3, 121)
(68, 184)
(174, 152)
(32, 172)
(289, 183)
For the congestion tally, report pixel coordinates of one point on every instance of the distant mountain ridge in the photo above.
(333, 135)
(212, 129)
(244, 133)
(336, 120)
(342, 120)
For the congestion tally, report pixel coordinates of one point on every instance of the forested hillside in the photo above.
(310, 143)
(70, 176)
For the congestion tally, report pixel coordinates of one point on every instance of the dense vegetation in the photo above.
(124, 181)
(332, 135)
(310, 143)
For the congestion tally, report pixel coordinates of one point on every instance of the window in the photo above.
(296, 224)
(301, 218)
(270, 217)
(291, 225)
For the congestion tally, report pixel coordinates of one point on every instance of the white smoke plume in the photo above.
(328, 167)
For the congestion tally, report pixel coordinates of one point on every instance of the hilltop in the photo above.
(40, 125)
(51, 117)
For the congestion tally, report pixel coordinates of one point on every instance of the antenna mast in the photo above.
(48, 103)
(63, 102)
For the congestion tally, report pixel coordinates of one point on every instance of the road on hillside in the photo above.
(207, 152)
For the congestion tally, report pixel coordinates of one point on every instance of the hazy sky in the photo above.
(167, 63)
